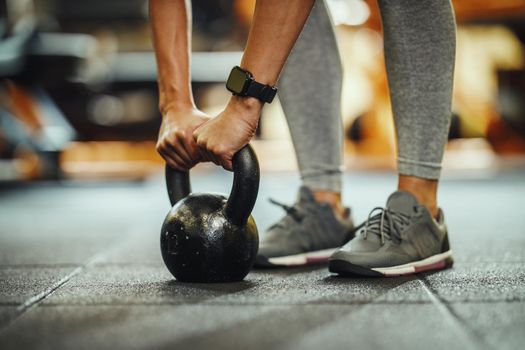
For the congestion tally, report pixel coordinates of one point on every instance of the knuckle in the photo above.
(171, 140)
(201, 143)
(179, 134)
(222, 151)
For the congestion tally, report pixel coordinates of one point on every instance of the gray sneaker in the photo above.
(308, 234)
(401, 239)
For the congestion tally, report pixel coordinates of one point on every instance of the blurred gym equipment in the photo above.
(34, 131)
(58, 87)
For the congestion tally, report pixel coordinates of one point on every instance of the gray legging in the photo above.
(420, 41)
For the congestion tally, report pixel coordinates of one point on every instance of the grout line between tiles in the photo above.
(470, 340)
(35, 300)
(262, 303)
(38, 298)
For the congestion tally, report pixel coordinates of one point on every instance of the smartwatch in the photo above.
(241, 83)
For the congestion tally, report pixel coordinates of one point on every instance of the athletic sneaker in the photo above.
(401, 239)
(308, 234)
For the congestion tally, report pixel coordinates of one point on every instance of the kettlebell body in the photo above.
(208, 237)
(199, 244)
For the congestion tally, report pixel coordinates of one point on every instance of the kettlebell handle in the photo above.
(244, 190)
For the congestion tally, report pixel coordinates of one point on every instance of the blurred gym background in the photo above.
(78, 94)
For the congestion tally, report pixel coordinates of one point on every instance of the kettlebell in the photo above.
(207, 237)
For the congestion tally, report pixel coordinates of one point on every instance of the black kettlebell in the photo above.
(207, 237)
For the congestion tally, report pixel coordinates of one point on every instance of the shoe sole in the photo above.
(435, 262)
(311, 258)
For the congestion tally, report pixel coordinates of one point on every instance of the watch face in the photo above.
(236, 81)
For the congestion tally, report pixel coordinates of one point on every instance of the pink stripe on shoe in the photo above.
(317, 260)
(435, 266)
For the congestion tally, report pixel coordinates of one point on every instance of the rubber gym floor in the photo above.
(80, 268)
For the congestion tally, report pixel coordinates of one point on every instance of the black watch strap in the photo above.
(265, 93)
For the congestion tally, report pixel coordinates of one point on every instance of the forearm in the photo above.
(171, 27)
(275, 28)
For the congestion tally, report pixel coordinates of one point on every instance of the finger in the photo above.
(192, 150)
(202, 148)
(229, 165)
(171, 163)
(221, 156)
(214, 159)
(176, 145)
(187, 143)
(174, 166)
(204, 155)
(226, 163)
(166, 153)
(182, 164)
(176, 153)
(162, 152)
(174, 160)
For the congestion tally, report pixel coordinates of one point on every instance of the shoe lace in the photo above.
(395, 224)
(293, 211)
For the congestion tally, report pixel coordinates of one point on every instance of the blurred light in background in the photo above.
(349, 12)
(78, 93)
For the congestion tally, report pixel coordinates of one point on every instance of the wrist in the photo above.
(247, 108)
(176, 105)
(246, 104)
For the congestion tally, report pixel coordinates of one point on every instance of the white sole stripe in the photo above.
(303, 258)
(411, 267)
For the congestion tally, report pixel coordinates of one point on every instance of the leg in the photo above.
(419, 54)
(410, 234)
(310, 91)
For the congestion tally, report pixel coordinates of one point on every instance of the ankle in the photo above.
(333, 199)
(424, 190)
